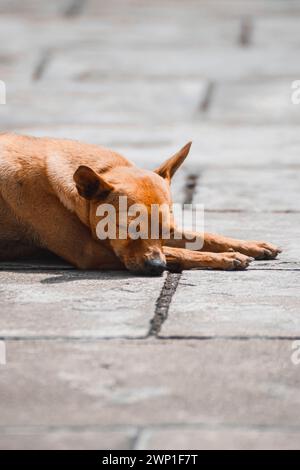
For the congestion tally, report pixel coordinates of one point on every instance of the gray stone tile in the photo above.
(18, 68)
(76, 304)
(32, 8)
(36, 439)
(108, 32)
(91, 64)
(256, 190)
(51, 32)
(219, 439)
(112, 383)
(233, 304)
(136, 26)
(124, 102)
(261, 102)
(155, 9)
(217, 145)
(282, 31)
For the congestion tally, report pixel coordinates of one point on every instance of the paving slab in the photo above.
(252, 189)
(217, 145)
(167, 63)
(33, 7)
(18, 68)
(49, 33)
(233, 304)
(260, 102)
(141, 31)
(178, 438)
(191, 8)
(247, 383)
(37, 439)
(122, 102)
(76, 304)
(271, 31)
(111, 31)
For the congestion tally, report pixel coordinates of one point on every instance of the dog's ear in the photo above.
(89, 184)
(167, 169)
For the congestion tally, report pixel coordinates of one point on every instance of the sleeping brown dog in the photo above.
(50, 190)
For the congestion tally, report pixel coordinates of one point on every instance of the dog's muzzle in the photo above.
(155, 267)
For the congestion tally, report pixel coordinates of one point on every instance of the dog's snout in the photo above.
(155, 266)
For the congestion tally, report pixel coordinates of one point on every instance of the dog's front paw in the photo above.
(232, 260)
(236, 260)
(260, 250)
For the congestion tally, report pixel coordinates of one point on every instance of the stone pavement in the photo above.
(197, 360)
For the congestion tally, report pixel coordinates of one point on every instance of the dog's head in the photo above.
(131, 210)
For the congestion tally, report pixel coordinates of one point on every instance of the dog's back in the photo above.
(51, 163)
(18, 152)
(31, 167)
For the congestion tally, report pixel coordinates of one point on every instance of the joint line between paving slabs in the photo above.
(190, 188)
(41, 65)
(163, 303)
(172, 280)
(74, 8)
(246, 30)
(207, 98)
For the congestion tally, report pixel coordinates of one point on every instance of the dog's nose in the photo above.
(155, 267)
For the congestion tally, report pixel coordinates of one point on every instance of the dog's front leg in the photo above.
(218, 244)
(180, 258)
(253, 248)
